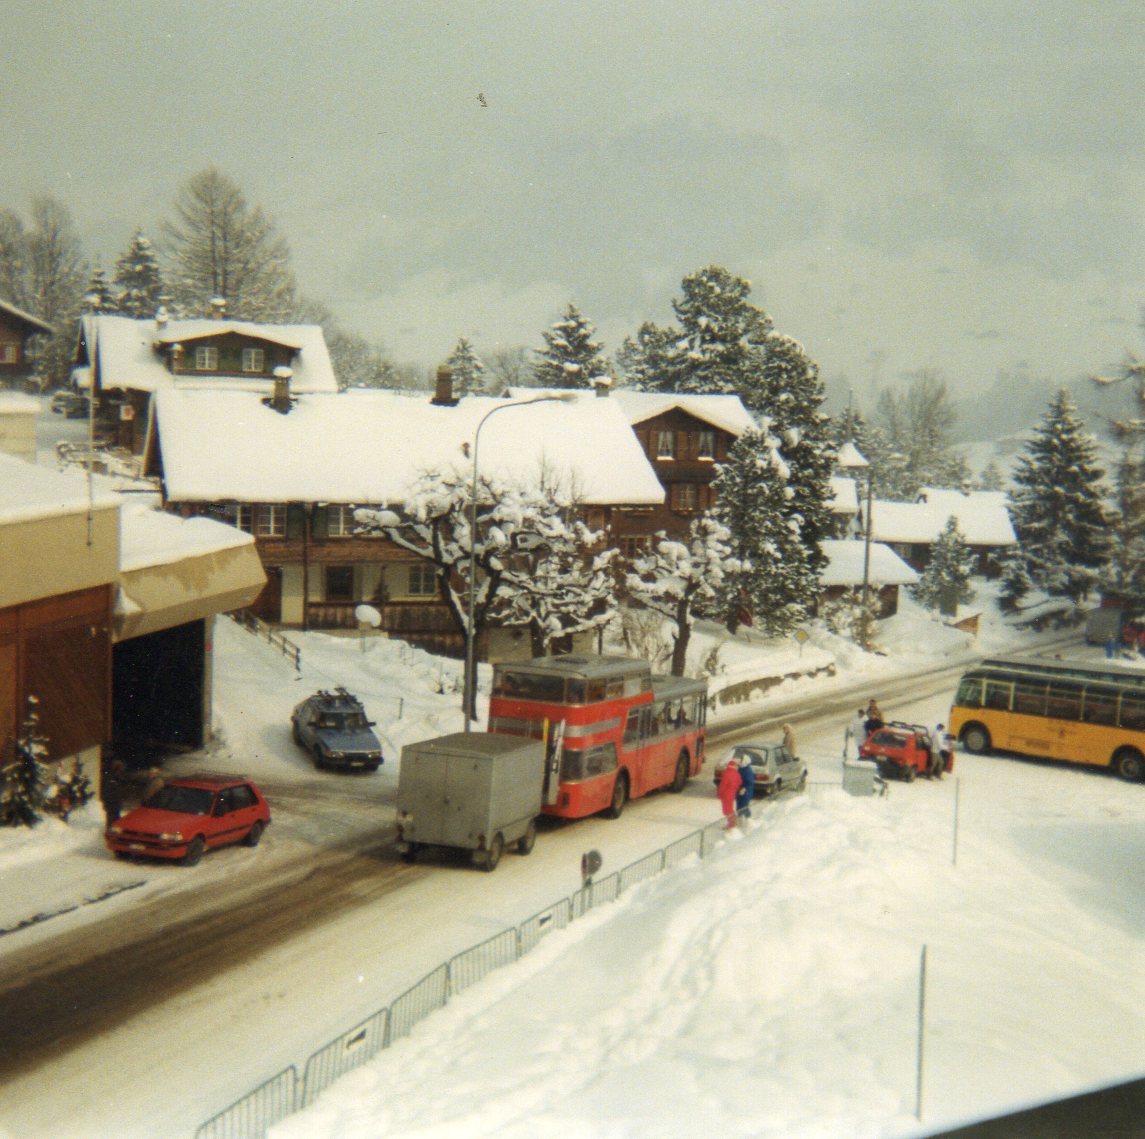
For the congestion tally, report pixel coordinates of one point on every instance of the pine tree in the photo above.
(23, 781)
(674, 579)
(775, 582)
(467, 369)
(220, 247)
(945, 584)
(99, 296)
(1126, 576)
(990, 478)
(1058, 510)
(571, 357)
(138, 283)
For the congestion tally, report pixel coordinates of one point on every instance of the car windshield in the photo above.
(185, 800)
(343, 721)
(891, 739)
(753, 757)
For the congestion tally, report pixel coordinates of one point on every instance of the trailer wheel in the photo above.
(526, 842)
(493, 854)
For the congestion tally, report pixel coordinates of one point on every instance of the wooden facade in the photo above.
(17, 329)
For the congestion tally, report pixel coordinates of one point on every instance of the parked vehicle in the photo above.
(902, 751)
(1104, 625)
(190, 815)
(70, 404)
(773, 765)
(333, 727)
(472, 791)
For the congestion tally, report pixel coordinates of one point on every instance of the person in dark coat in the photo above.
(874, 717)
(746, 791)
(111, 789)
(730, 783)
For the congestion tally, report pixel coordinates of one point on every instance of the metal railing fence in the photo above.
(253, 1115)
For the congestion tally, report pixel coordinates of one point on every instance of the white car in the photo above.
(773, 765)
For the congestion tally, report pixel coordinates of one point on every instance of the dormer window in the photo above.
(206, 359)
(665, 444)
(705, 445)
(254, 360)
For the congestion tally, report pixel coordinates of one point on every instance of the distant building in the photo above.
(18, 330)
(843, 574)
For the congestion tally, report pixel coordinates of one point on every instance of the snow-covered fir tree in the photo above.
(571, 358)
(945, 583)
(675, 579)
(1059, 510)
(24, 779)
(990, 478)
(1126, 575)
(775, 582)
(138, 282)
(466, 368)
(99, 296)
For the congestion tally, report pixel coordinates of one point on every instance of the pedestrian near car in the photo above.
(874, 719)
(789, 738)
(155, 783)
(943, 745)
(111, 788)
(746, 792)
(730, 783)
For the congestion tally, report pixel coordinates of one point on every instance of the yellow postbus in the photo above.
(1077, 711)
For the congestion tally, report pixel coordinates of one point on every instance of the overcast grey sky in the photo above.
(906, 184)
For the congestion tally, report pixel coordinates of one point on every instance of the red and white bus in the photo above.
(613, 731)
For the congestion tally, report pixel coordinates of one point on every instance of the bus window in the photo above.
(997, 694)
(529, 686)
(1133, 711)
(614, 687)
(635, 727)
(1063, 701)
(969, 692)
(584, 764)
(1030, 697)
(1100, 705)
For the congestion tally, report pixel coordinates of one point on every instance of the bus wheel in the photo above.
(619, 797)
(1129, 764)
(681, 777)
(976, 739)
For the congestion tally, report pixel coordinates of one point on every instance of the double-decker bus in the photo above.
(1077, 711)
(613, 731)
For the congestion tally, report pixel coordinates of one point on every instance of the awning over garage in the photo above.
(177, 570)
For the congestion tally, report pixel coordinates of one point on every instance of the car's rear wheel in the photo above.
(493, 854)
(528, 840)
(619, 796)
(802, 784)
(195, 851)
(909, 772)
(254, 834)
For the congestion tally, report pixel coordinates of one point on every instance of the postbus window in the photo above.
(1133, 711)
(997, 695)
(577, 763)
(1063, 701)
(1100, 705)
(969, 692)
(1030, 697)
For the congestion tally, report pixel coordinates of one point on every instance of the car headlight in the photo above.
(335, 755)
(171, 836)
(115, 830)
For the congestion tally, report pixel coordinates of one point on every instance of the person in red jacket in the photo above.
(730, 783)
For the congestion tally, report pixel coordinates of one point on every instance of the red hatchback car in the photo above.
(902, 751)
(186, 816)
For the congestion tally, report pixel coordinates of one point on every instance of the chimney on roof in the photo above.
(161, 318)
(280, 401)
(218, 307)
(443, 388)
(601, 385)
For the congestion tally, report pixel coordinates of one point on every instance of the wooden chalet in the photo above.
(18, 331)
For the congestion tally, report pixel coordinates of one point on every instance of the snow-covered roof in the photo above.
(25, 317)
(123, 352)
(845, 564)
(17, 403)
(369, 447)
(982, 517)
(28, 491)
(724, 411)
(844, 495)
(850, 458)
(151, 537)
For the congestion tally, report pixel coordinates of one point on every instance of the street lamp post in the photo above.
(469, 684)
(852, 460)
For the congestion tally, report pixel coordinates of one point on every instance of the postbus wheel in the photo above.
(1129, 764)
(681, 778)
(976, 739)
(619, 796)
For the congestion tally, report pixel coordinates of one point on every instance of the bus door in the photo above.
(554, 745)
(1063, 709)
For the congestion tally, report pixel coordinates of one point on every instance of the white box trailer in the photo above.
(473, 791)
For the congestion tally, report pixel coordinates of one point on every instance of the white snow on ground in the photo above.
(769, 990)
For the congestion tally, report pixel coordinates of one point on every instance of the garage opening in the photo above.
(157, 691)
